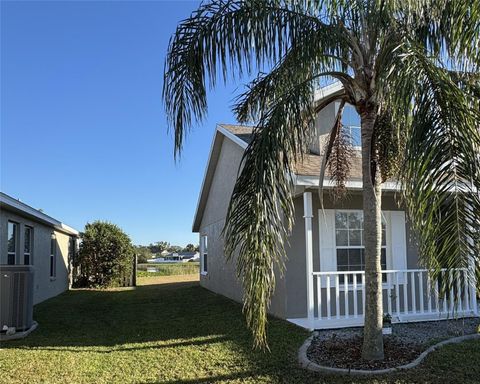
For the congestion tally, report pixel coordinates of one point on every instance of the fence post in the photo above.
(134, 276)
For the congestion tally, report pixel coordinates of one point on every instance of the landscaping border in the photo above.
(306, 363)
(20, 334)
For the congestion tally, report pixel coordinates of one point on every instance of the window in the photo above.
(12, 243)
(354, 135)
(204, 254)
(27, 247)
(351, 125)
(53, 256)
(349, 242)
(72, 249)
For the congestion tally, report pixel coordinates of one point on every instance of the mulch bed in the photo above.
(347, 353)
(342, 348)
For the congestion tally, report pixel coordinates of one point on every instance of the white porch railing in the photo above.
(408, 295)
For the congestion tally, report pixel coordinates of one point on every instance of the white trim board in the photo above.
(313, 181)
(232, 137)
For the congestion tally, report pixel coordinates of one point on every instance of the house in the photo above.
(185, 257)
(176, 257)
(30, 237)
(322, 286)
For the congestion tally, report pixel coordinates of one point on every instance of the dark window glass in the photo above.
(12, 243)
(53, 254)
(204, 250)
(353, 259)
(52, 267)
(12, 237)
(27, 245)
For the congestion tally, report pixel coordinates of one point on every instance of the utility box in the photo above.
(16, 296)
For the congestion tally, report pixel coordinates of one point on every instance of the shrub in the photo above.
(105, 256)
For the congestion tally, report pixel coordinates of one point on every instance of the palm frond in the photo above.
(328, 148)
(260, 214)
(226, 37)
(447, 29)
(440, 172)
(339, 164)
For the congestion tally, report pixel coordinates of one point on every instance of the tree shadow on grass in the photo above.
(240, 376)
(150, 313)
(116, 348)
(184, 317)
(180, 316)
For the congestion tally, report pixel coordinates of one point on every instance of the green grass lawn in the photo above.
(168, 269)
(169, 330)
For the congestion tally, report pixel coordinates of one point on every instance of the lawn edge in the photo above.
(306, 363)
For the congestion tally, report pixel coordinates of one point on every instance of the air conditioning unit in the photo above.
(16, 297)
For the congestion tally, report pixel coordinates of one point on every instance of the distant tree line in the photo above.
(145, 252)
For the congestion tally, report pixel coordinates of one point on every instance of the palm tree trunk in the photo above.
(372, 237)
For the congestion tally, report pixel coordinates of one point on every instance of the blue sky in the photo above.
(83, 130)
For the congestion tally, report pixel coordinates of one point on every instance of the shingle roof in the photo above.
(310, 166)
(243, 132)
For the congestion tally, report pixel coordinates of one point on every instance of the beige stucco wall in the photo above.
(324, 122)
(221, 277)
(44, 286)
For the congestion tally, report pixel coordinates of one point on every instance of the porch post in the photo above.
(473, 287)
(472, 279)
(308, 215)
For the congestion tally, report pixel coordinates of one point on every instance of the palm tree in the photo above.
(410, 69)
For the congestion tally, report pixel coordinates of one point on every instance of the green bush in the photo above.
(105, 256)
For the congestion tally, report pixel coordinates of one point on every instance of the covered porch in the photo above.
(336, 299)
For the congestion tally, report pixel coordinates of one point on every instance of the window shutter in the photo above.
(399, 241)
(328, 258)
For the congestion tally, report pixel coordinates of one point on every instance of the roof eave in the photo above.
(17, 206)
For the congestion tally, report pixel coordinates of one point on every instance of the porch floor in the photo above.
(345, 322)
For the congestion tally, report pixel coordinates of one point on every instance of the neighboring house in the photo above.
(322, 286)
(30, 237)
(177, 257)
(187, 256)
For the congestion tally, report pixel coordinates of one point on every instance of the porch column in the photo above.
(308, 215)
(472, 280)
(473, 287)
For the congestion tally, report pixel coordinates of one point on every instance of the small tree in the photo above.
(105, 255)
(174, 248)
(159, 246)
(189, 248)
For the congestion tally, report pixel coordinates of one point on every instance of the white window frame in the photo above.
(30, 239)
(53, 257)
(203, 253)
(387, 246)
(15, 242)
